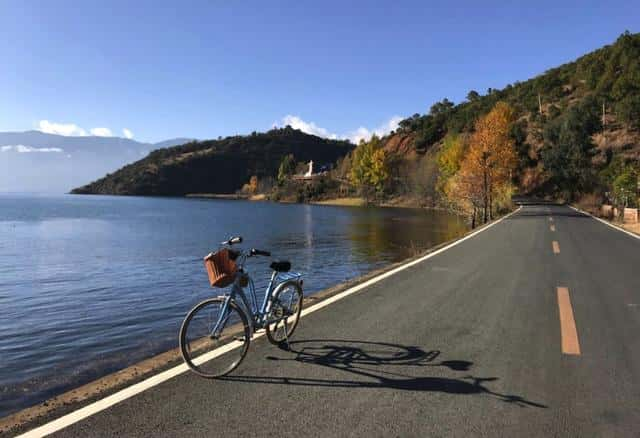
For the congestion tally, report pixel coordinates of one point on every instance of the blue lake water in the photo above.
(91, 284)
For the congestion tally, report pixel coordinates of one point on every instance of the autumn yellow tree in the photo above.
(490, 160)
(465, 193)
(448, 160)
(369, 165)
(379, 173)
(252, 187)
(450, 155)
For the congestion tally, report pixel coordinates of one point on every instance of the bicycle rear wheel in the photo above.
(214, 354)
(285, 309)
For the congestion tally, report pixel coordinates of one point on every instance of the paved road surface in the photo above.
(468, 343)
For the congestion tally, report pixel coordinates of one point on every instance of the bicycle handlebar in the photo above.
(233, 241)
(253, 252)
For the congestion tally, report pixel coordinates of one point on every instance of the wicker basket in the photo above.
(220, 268)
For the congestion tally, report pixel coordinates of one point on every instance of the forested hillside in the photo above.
(574, 131)
(216, 166)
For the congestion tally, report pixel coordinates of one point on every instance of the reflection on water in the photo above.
(91, 284)
(396, 234)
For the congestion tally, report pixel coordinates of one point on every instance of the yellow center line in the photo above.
(552, 227)
(568, 330)
(556, 247)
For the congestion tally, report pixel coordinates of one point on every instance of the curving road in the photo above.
(505, 334)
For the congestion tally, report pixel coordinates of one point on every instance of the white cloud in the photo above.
(101, 132)
(362, 133)
(71, 129)
(61, 128)
(22, 149)
(308, 127)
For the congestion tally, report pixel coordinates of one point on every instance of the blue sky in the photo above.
(204, 69)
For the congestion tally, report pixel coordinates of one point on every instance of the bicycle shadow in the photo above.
(367, 359)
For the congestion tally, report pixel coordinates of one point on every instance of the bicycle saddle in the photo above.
(280, 266)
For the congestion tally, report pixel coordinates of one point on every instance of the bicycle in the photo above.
(216, 333)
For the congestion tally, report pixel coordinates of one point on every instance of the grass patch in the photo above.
(348, 202)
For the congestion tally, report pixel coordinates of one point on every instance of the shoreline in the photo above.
(216, 196)
(111, 383)
(389, 203)
(342, 202)
(346, 201)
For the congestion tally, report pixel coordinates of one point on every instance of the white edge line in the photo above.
(123, 394)
(606, 222)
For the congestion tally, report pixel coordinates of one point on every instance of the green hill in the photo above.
(215, 166)
(609, 75)
(573, 93)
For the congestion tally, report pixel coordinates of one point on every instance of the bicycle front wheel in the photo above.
(214, 337)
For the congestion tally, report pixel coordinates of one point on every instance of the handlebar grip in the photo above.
(233, 240)
(261, 252)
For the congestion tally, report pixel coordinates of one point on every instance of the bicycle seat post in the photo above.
(273, 279)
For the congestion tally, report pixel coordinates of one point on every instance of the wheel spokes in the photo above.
(205, 330)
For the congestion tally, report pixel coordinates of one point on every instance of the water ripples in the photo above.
(89, 285)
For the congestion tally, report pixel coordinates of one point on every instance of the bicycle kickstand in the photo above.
(286, 336)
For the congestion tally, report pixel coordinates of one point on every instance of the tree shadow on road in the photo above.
(382, 365)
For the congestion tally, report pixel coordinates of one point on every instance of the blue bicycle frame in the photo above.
(258, 317)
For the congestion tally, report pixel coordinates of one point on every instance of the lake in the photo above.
(92, 284)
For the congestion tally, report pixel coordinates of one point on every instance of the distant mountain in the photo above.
(216, 166)
(34, 161)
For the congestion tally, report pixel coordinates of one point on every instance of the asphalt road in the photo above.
(467, 343)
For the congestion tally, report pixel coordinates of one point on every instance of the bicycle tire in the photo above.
(272, 329)
(191, 354)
